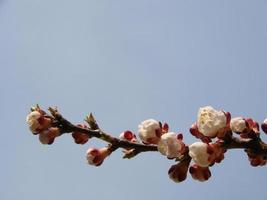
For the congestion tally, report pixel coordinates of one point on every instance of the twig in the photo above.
(255, 145)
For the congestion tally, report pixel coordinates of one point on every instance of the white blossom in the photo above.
(149, 131)
(210, 121)
(198, 151)
(32, 120)
(238, 124)
(170, 146)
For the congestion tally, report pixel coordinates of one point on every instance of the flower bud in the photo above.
(195, 132)
(37, 121)
(97, 156)
(253, 125)
(238, 124)
(171, 145)
(198, 151)
(178, 172)
(165, 128)
(150, 131)
(48, 136)
(80, 138)
(252, 130)
(200, 173)
(256, 160)
(264, 126)
(216, 152)
(128, 135)
(210, 121)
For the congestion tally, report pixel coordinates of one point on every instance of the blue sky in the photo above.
(127, 61)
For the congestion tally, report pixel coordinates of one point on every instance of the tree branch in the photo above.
(67, 127)
(255, 145)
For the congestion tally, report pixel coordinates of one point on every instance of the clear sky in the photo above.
(127, 61)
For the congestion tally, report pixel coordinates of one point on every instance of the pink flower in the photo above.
(80, 138)
(48, 136)
(178, 172)
(97, 156)
(171, 145)
(150, 131)
(37, 121)
(200, 173)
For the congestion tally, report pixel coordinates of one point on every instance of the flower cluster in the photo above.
(216, 130)
(41, 124)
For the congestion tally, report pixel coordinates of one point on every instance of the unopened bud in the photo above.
(200, 173)
(97, 156)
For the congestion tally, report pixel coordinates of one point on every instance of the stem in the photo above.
(255, 145)
(67, 127)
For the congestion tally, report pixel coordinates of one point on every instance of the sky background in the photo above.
(127, 61)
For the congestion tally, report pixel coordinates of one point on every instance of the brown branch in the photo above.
(67, 127)
(254, 145)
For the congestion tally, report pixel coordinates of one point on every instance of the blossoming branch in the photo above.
(216, 130)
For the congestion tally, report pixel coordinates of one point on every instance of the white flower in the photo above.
(238, 124)
(210, 121)
(198, 151)
(265, 121)
(32, 120)
(170, 146)
(149, 131)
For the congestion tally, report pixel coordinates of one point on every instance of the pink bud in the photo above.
(228, 117)
(253, 125)
(48, 136)
(178, 172)
(256, 160)
(217, 154)
(194, 130)
(96, 156)
(252, 129)
(264, 126)
(80, 138)
(128, 135)
(165, 128)
(200, 173)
